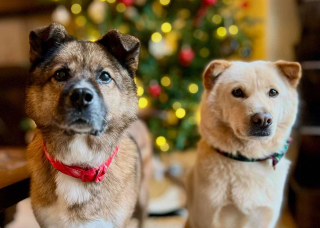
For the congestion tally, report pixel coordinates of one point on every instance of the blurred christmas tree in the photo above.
(179, 38)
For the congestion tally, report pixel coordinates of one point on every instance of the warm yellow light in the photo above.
(164, 2)
(204, 52)
(198, 117)
(76, 8)
(121, 7)
(156, 37)
(161, 140)
(81, 21)
(216, 19)
(143, 102)
(222, 31)
(180, 113)
(111, 1)
(93, 35)
(193, 88)
(165, 81)
(140, 91)
(176, 105)
(166, 27)
(164, 147)
(124, 28)
(233, 29)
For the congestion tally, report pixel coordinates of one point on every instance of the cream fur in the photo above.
(224, 193)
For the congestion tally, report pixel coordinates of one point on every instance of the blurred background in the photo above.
(179, 38)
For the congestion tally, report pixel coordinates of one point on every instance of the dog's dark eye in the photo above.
(273, 93)
(104, 78)
(60, 75)
(238, 93)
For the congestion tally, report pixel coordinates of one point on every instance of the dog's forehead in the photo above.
(84, 54)
(258, 71)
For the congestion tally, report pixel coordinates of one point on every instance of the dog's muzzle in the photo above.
(82, 109)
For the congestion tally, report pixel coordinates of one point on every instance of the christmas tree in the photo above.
(178, 39)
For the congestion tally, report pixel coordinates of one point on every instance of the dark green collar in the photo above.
(275, 156)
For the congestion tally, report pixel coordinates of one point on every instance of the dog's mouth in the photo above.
(82, 126)
(260, 133)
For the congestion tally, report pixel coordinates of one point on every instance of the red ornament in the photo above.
(245, 4)
(127, 2)
(186, 55)
(155, 90)
(209, 2)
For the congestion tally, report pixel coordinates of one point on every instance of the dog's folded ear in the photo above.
(46, 38)
(212, 71)
(125, 48)
(292, 71)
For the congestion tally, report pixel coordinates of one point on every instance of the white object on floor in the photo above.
(170, 201)
(23, 217)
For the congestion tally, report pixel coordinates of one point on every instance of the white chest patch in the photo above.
(71, 190)
(55, 217)
(80, 153)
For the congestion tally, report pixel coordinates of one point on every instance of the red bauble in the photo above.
(209, 2)
(127, 2)
(186, 55)
(155, 90)
(245, 4)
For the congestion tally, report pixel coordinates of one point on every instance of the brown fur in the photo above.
(118, 54)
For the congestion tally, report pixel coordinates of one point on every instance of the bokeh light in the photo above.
(233, 29)
(121, 7)
(164, 2)
(193, 88)
(222, 31)
(161, 140)
(166, 27)
(176, 105)
(165, 81)
(164, 147)
(143, 102)
(140, 91)
(180, 113)
(76, 8)
(156, 37)
(216, 19)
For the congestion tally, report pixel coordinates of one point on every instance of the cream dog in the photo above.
(247, 112)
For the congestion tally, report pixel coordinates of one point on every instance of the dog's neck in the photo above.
(80, 149)
(223, 138)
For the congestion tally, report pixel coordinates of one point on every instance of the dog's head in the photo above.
(253, 100)
(82, 86)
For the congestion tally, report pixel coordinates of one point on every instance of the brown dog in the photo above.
(82, 97)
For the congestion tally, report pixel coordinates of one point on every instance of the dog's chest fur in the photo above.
(231, 189)
(63, 201)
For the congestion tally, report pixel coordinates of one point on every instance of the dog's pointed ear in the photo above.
(125, 48)
(45, 38)
(291, 70)
(212, 71)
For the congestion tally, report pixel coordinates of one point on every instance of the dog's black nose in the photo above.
(81, 97)
(262, 119)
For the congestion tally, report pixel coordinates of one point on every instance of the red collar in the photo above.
(86, 174)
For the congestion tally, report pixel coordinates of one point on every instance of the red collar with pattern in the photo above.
(86, 174)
